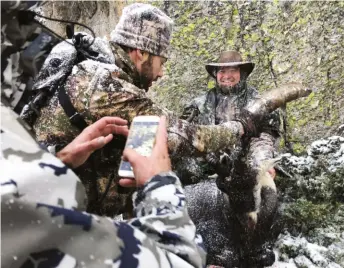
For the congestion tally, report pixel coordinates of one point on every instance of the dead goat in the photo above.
(234, 213)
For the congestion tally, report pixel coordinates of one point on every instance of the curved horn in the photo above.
(208, 138)
(273, 99)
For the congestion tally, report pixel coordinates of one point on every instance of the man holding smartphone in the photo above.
(42, 202)
(132, 61)
(43, 222)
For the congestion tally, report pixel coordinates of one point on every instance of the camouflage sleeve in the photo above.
(42, 201)
(160, 207)
(203, 138)
(162, 236)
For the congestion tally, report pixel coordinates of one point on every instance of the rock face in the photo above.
(289, 41)
(101, 16)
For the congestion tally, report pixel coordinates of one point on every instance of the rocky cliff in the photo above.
(289, 41)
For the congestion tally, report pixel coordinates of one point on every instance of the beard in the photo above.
(146, 77)
(241, 85)
(230, 89)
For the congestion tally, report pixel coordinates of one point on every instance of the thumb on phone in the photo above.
(132, 156)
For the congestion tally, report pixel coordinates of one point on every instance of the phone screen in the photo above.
(141, 138)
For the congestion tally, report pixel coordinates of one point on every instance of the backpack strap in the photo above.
(75, 118)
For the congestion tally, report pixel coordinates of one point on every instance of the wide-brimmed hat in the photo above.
(227, 59)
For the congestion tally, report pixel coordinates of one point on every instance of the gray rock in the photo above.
(303, 262)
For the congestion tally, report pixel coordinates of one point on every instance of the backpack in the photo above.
(55, 70)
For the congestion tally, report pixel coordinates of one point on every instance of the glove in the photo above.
(251, 123)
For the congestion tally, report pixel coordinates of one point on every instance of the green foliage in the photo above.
(298, 148)
(304, 215)
(288, 41)
(315, 200)
(211, 84)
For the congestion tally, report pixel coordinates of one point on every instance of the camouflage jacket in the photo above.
(215, 108)
(100, 89)
(24, 46)
(43, 223)
(96, 89)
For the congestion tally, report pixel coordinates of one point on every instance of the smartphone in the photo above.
(141, 138)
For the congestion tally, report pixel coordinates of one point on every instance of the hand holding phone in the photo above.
(145, 167)
(141, 138)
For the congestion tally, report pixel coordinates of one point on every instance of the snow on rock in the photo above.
(300, 252)
(312, 197)
(332, 149)
(303, 261)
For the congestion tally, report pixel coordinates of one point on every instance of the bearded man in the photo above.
(110, 77)
(226, 100)
(223, 205)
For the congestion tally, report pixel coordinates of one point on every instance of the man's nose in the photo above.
(230, 74)
(227, 75)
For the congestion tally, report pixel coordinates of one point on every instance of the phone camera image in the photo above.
(141, 138)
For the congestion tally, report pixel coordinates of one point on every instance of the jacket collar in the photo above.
(124, 62)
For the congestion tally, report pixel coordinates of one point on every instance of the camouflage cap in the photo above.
(144, 27)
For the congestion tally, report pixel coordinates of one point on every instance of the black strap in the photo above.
(75, 118)
(70, 30)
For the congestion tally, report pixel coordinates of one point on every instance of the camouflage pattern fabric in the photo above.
(58, 66)
(24, 48)
(101, 89)
(144, 27)
(97, 89)
(215, 108)
(42, 222)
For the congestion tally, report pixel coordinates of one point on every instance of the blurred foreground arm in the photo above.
(42, 223)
